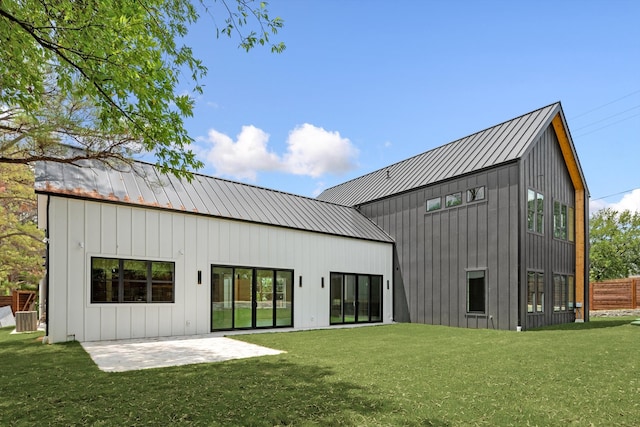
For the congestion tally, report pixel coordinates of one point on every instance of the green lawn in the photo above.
(406, 374)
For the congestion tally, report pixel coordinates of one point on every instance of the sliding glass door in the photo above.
(244, 297)
(355, 298)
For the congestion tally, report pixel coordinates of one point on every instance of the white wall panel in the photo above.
(58, 309)
(138, 230)
(152, 234)
(123, 322)
(152, 320)
(92, 319)
(123, 230)
(193, 243)
(75, 267)
(108, 323)
(138, 321)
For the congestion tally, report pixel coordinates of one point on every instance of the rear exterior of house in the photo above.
(135, 254)
(490, 230)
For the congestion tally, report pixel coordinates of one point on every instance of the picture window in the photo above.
(132, 281)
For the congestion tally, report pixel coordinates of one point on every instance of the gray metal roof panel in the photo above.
(499, 144)
(143, 185)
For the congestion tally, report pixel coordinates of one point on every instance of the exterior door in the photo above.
(355, 298)
(243, 298)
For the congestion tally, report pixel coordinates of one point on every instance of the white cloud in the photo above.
(311, 151)
(630, 201)
(245, 157)
(314, 151)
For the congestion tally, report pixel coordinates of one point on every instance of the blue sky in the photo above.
(363, 84)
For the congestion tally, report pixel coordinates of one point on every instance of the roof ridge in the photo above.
(442, 146)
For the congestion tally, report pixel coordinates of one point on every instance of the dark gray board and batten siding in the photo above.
(436, 249)
(544, 170)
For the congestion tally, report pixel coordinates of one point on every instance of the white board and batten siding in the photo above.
(82, 229)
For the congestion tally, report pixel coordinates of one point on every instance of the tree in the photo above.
(103, 76)
(21, 247)
(615, 244)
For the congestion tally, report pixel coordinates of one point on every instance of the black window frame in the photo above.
(151, 284)
(281, 293)
(535, 292)
(453, 199)
(535, 211)
(379, 318)
(437, 207)
(476, 194)
(564, 292)
(563, 221)
(472, 304)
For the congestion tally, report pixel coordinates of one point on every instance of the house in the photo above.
(490, 231)
(136, 254)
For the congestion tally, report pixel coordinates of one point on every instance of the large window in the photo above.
(355, 298)
(563, 292)
(476, 292)
(535, 211)
(244, 297)
(535, 292)
(563, 221)
(131, 281)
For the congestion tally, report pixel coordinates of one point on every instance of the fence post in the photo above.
(591, 307)
(634, 300)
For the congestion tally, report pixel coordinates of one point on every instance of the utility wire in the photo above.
(606, 126)
(608, 117)
(615, 194)
(604, 105)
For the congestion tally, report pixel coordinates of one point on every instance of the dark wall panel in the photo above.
(436, 249)
(544, 170)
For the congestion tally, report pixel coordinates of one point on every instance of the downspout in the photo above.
(46, 274)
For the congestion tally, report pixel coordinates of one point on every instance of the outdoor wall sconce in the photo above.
(199, 277)
(322, 281)
(300, 281)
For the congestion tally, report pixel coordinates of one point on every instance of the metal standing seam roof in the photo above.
(498, 144)
(143, 185)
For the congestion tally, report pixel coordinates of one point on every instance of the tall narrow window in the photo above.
(540, 293)
(535, 292)
(539, 213)
(535, 211)
(563, 216)
(571, 226)
(476, 292)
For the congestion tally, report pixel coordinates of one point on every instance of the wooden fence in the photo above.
(615, 294)
(19, 301)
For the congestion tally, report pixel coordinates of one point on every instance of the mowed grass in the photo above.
(404, 374)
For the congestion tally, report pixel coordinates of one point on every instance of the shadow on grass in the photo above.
(61, 384)
(594, 323)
